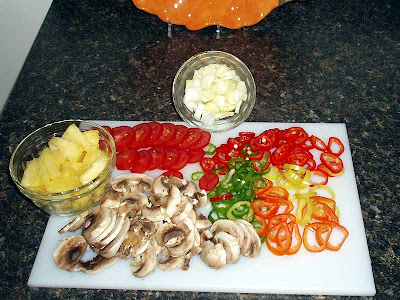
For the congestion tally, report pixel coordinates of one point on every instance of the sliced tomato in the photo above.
(156, 130)
(180, 134)
(125, 159)
(195, 155)
(123, 136)
(208, 181)
(159, 155)
(173, 173)
(171, 158)
(181, 162)
(142, 133)
(191, 139)
(108, 128)
(167, 133)
(142, 163)
(204, 140)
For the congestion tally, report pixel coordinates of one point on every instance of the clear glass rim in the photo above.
(41, 196)
(223, 124)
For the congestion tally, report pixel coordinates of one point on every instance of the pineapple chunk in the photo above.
(91, 156)
(48, 160)
(72, 151)
(73, 134)
(92, 136)
(31, 178)
(95, 169)
(67, 181)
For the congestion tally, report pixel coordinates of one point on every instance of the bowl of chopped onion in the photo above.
(214, 91)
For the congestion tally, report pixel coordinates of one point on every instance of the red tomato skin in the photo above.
(142, 163)
(181, 162)
(123, 136)
(159, 155)
(192, 138)
(173, 173)
(156, 130)
(125, 159)
(180, 134)
(195, 155)
(171, 158)
(208, 181)
(203, 142)
(168, 132)
(142, 133)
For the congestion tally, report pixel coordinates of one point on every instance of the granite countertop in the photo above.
(315, 61)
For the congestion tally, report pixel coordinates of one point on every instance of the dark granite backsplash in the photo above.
(314, 61)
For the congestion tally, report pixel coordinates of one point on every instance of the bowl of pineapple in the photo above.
(65, 167)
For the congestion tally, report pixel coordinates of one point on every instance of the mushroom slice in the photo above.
(69, 252)
(247, 240)
(169, 235)
(213, 255)
(160, 185)
(230, 227)
(201, 198)
(112, 235)
(201, 222)
(145, 263)
(132, 204)
(99, 224)
(111, 249)
(184, 209)
(132, 182)
(76, 223)
(97, 264)
(187, 243)
(165, 211)
(112, 199)
(255, 246)
(173, 180)
(230, 245)
(134, 244)
(167, 263)
(189, 189)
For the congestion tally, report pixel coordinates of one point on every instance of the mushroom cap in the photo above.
(99, 224)
(228, 226)
(76, 223)
(255, 246)
(69, 252)
(97, 264)
(230, 245)
(214, 255)
(131, 182)
(111, 249)
(184, 209)
(144, 264)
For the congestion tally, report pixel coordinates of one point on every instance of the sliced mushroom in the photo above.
(230, 245)
(112, 199)
(133, 245)
(69, 252)
(247, 240)
(97, 264)
(187, 243)
(111, 249)
(160, 185)
(213, 255)
(132, 204)
(145, 263)
(230, 227)
(184, 209)
(201, 198)
(167, 263)
(132, 182)
(165, 211)
(99, 224)
(112, 235)
(201, 222)
(189, 189)
(169, 235)
(255, 246)
(76, 223)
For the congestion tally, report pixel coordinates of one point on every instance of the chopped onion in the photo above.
(215, 92)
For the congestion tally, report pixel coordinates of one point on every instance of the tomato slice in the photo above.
(125, 159)
(203, 142)
(208, 181)
(180, 134)
(123, 136)
(173, 173)
(167, 133)
(181, 162)
(172, 156)
(156, 130)
(195, 155)
(142, 133)
(142, 163)
(192, 138)
(159, 156)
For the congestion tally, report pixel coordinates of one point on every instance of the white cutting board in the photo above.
(346, 272)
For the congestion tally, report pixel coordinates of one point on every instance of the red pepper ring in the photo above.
(332, 162)
(281, 153)
(335, 146)
(279, 239)
(287, 218)
(263, 141)
(318, 143)
(344, 234)
(207, 164)
(296, 236)
(262, 231)
(317, 174)
(221, 197)
(321, 241)
(323, 212)
(264, 209)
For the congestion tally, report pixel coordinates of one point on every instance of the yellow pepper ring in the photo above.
(315, 188)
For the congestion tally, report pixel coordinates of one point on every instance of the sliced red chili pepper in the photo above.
(221, 197)
(173, 173)
(264, 140)
(332, 162)
(318, 143)
(318, 178)
(310, 164)
(247, 134)
(282, 237)
(296, 236)
(281, 153)
(208, 181)
(264, 162)
(281, 218)
(324, 169)
(264, 208)
(335, 146)
(207, 164)
(295, 135)
(299, 159)
(321, 241)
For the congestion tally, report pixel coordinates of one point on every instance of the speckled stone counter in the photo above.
(316, 61)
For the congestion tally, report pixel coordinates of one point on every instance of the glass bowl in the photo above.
(74, 201)
(186, 72)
